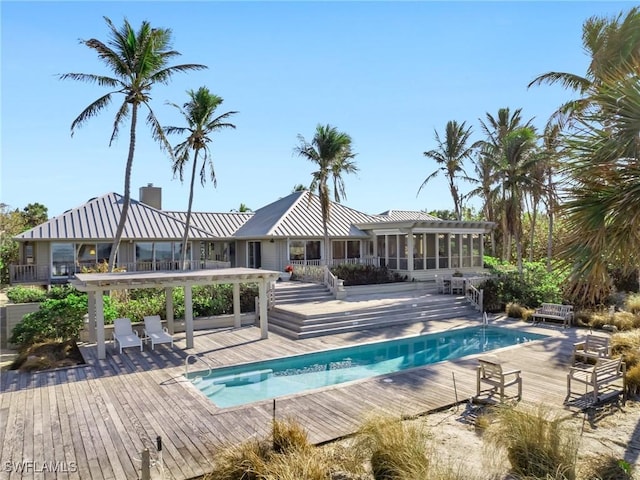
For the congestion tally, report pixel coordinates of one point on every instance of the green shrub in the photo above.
(56, 320)
(531, 288)
(22, 294)
(357, 274)
(58, 292)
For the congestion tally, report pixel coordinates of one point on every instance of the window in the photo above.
(343, 249)
(255, 255)
(304, 250)
(159, 255)
(454, 242)
(62, 259)
(443, 250)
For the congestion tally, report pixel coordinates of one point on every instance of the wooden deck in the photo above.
(95, 420)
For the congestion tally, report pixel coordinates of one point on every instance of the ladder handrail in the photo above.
(203, 360)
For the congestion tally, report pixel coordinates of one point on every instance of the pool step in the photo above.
(293, 324)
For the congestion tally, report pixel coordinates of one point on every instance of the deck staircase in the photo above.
(308, 319)
(288, 293)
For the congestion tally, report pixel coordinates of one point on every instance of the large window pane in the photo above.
(103, 250)
(296, 250)
(62, 261)
(466, 250)
(431, 250)
(163, 251)
(86, 254)
(313, 250)
(338, 251)
(443, 251)
(353, 248)
(455, 250)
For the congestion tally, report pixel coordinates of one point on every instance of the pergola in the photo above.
(95, 284)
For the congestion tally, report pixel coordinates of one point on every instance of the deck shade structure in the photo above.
(95, 284)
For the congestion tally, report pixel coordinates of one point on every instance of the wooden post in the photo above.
(102, 353)
(91, 325)
(188, 315)
(145, 473)
(262, 292)
(168, 294)
(236, 305)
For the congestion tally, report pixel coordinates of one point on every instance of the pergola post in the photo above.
(410, 252)
(236, 305)
(91, 325)
(188, 315)
(168, 294)
(102, 353)
(262, 295)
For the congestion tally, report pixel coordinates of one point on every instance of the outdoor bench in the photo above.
(554, 311)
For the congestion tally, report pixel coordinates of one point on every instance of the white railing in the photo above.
(334, 284)
(43, 273)
(375, 261)
(197, 359)
(473, 295)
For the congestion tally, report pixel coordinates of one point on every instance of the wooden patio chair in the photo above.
(490, 372)
(593, 347)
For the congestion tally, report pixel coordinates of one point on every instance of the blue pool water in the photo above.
(237, 385)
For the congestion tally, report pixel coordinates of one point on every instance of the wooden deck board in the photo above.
(102, 415)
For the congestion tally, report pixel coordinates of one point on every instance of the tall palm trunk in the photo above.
(127, 189)
(185, 236)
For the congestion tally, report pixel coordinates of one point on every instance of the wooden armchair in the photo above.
(490, 372)
(592, 348)
(604, 373)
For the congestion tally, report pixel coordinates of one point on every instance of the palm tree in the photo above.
(138, 61)
(550, 159)
(202, 120)
(331, 151)
(299, 188)
(491, 164)
(515, 169)
(613, 44)
(450, 155)
(601, 209)
(242, 209)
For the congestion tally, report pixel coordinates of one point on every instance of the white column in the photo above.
(102, 354)
(410, 250)
(236, 305)
(262, 292)
(91, 325)
(168, 294)
(188, 315)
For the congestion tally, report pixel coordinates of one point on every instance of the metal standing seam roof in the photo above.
(222, 225)
(98, 220)
(405, 215)
(300, 215)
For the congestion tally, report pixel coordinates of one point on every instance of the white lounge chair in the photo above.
(153, 331)
(124, 334)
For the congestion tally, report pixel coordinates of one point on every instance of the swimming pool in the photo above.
(252, 382)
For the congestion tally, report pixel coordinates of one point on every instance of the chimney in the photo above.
(151, 196)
